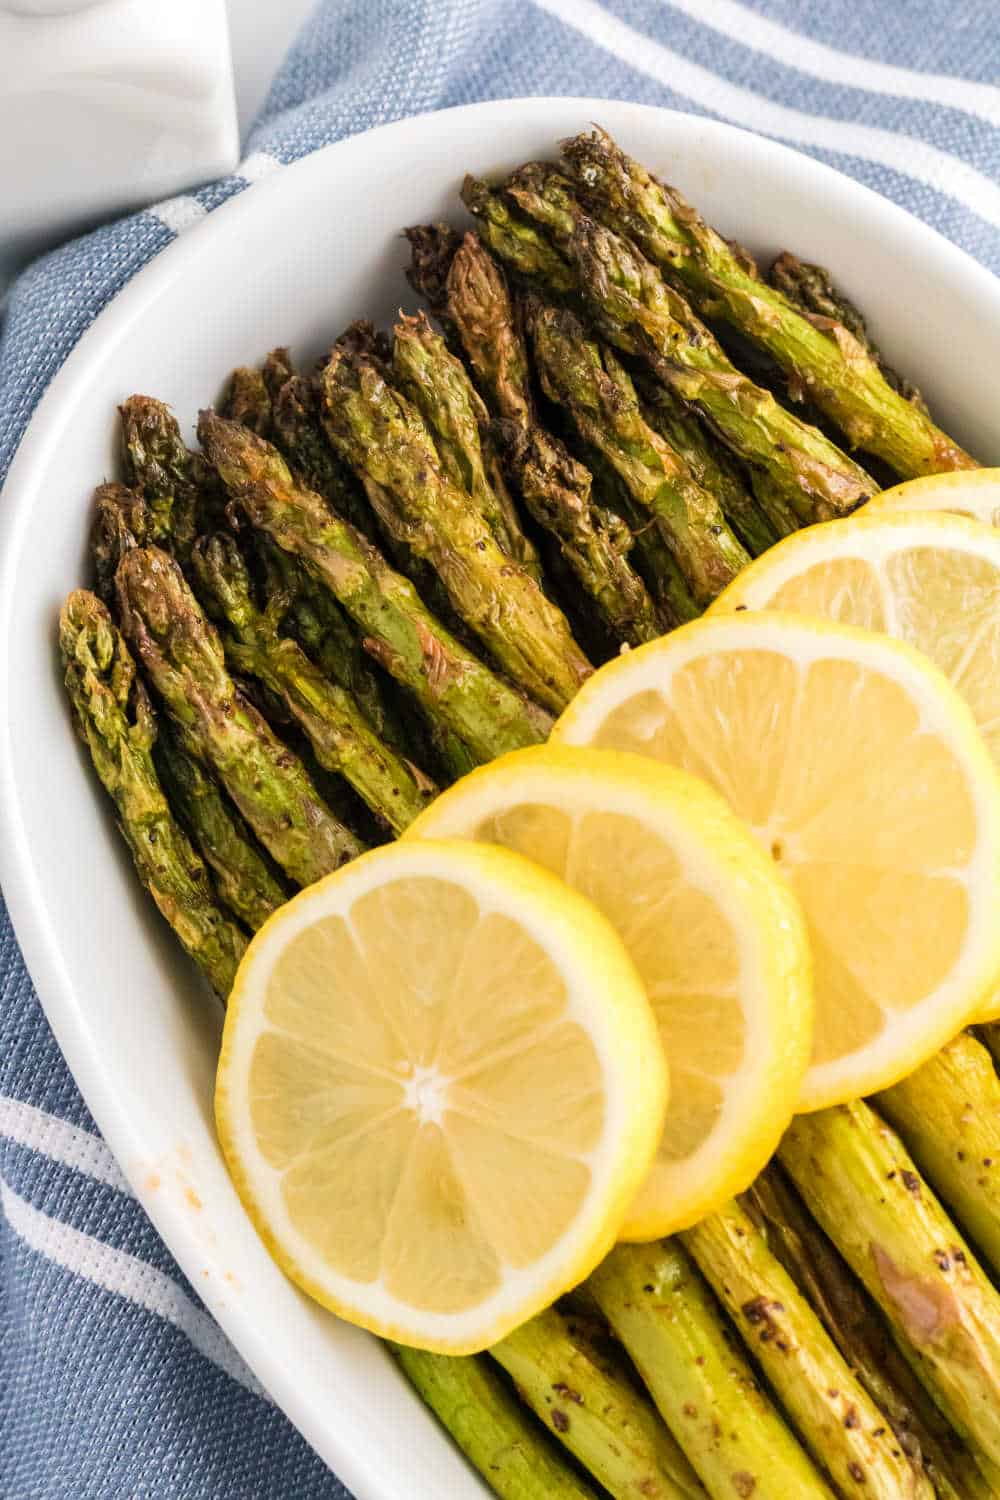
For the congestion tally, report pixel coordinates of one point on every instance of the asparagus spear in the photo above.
(599, 395)
(711, 465)
(863, 1338)
(241, 874)
(383, 437)
(556, 489)
(276, 371)
(596, 1412)
(473, 703)
(343, 739)
(177, 485)
(948, 1113)
(182, 656)
(115, 720)
(811, 288)
(660, 1308)
(638, 312)
(862, 1186)
(437, 384)
(827, 362)
(517, 242)
(494, 1432)
(122, 519)
(248, 400)
(834, 1415)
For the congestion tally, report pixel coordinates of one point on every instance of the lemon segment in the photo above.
(862, 774)
(440, 1086)
(965, 492)
(715, 933)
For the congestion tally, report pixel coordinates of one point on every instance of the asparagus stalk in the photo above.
(948, 1113)
(862, 1335)
(492, 1429)
(711, 466)
(122, 519)
(639, 313)
(437, 384)
(811, 289)
(383, 437)
(660, 1308)
(862, 1186)
(276, 371)
(834, 1415)
(241, 874)
(599, 395)
(182, 656)
(115, 720)
(556, 489)
(827, 361)
(343, 739)
(176, 484)
(596, 1412)
(453, 685)
(248, 400)
(517, 242)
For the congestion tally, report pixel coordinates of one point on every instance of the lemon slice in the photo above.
(440, 1087)
(715, 933)
(859, 768)
(966, 492)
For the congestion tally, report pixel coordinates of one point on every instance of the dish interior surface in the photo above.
(291, 261)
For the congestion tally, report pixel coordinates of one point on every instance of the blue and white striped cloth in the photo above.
(114, 1382)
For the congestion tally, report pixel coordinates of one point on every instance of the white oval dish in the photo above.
(292, 261)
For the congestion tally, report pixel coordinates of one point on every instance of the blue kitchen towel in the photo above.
(114, 1382)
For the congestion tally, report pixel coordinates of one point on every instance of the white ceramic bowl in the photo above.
(291, 261)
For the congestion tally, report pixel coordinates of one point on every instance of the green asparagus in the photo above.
(598, 1415)
(811, 288)
(597, 392)
(710, 464)
(635, 309)
(182, 656)
(666, 1317)
(862, 1335)
(948, 1113)
(383, 436)
(180, 489)
(827, 362)
(480, 708)
(122, 519)
(864, 1189)
(844, 1430)
(241, 874)
(248, 400)
(496, 1434)
(343, 739)
(116, 722)
(556, 489)
(437, 384)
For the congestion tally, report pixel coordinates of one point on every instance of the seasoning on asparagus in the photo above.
(597, 1413)
(862, 1186)
(486, 714)
(635, 309)
(438, 385)
(862, 1335)
(241, 874)
(180, 488)
(343, 739)
(182, 656)
(948, 1113)
(672, 1328)
(844, 1430)
(712, 466)
(826, 361)
(555, 487)
(383, 437)
(115, 720)
(599, 395)
(497, 1435)
(248, 400)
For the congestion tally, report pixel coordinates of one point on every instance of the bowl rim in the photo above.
(36, 932)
